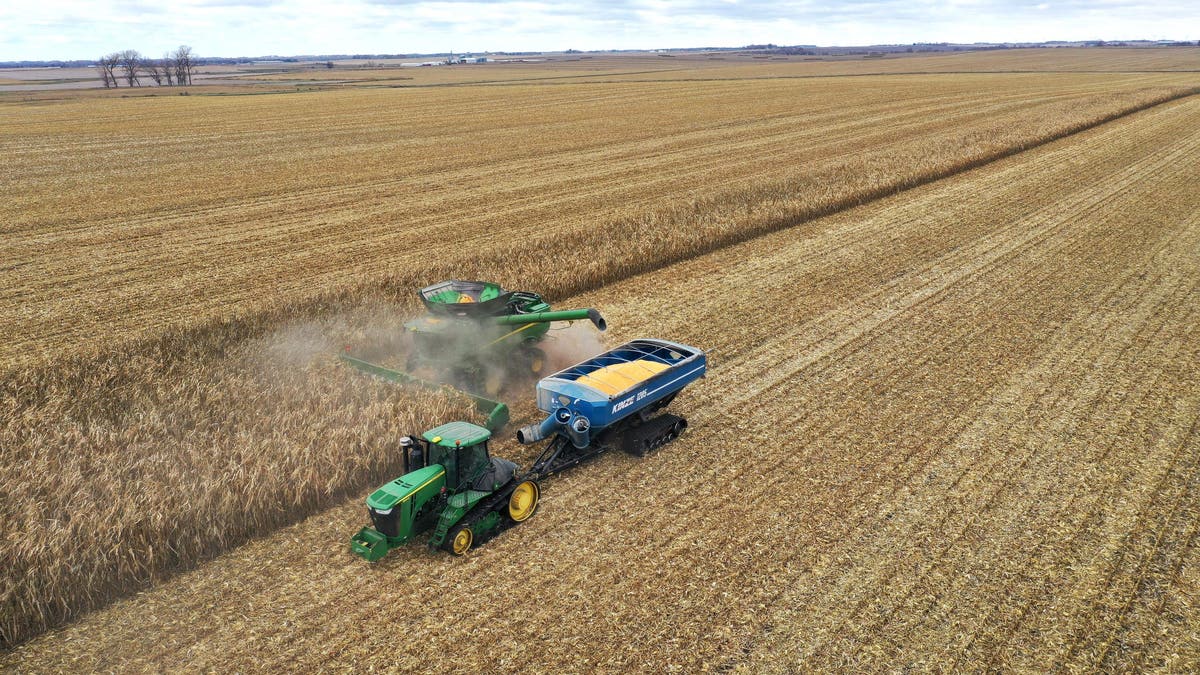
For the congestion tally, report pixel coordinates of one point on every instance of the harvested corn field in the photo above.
(957, 425)
(276, 202)
(146, 324)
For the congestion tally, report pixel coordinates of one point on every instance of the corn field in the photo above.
(951, 417)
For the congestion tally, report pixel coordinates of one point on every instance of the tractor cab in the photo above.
(461, 448)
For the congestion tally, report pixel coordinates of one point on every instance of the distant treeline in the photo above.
(239, 60)
(174, 69)
(808, 50)
(812, 50)
(46, 64)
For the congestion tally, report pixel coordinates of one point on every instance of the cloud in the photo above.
(84, 29)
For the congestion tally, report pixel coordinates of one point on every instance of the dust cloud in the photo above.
(567, 346)
(375, 333)
(302, 348)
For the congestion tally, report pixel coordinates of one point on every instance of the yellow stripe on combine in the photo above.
(619, 377)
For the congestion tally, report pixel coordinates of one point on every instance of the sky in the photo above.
(76, 29)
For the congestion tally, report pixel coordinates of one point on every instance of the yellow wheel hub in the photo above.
(462, 541)
(523, 501)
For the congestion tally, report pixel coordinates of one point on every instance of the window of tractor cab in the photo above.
(449, 459)
(473, 462)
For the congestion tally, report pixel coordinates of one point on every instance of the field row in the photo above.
(192, 211)
(959, 423)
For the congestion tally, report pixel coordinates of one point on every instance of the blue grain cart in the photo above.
(612, 401)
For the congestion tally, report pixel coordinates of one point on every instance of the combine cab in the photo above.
(453, 486)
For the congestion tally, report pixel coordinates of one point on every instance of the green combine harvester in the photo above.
(476, 335)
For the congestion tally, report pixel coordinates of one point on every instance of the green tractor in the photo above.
(451, 485)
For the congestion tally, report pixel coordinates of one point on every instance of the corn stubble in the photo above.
(170, 423)
(969, 436)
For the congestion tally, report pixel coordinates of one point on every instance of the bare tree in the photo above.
(154, 69)
(131, 61)
(168, 68)
(108, 69)
(185, 64)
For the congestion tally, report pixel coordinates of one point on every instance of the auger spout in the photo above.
(547, 317)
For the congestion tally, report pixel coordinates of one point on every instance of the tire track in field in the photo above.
(898, 495)
(1100, 509)
(1094, 648)
(1171, 641)
(981, 645)
(1143, 557)
(887, 508)
(1163, 573)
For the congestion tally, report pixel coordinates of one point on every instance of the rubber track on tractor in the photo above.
(638, 438)
(497, 502)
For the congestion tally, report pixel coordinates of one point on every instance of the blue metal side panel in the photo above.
(685, 365)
